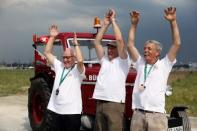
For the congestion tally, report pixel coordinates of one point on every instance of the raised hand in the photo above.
(107, 18)
(53, 30)
(135, 16)
(112, 14)
(75, 42)
(170, 13)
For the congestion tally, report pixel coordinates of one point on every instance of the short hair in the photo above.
(157, 43)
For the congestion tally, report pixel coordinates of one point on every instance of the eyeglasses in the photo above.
(67, 57)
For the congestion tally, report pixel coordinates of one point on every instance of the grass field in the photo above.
(14, 81)
(184, 86)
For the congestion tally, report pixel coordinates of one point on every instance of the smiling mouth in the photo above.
(145, 55)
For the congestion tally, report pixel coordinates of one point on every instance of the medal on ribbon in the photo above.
(146, 73)
(141, 87)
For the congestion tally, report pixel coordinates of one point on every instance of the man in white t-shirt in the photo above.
(148, 101)
(109, 91)
(65, 101)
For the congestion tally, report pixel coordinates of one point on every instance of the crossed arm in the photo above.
(110, 19)
(97, 42)
(118, 35)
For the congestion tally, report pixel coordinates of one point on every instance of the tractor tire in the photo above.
(38, 97)
(186, 122)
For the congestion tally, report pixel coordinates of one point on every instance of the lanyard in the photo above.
(62, 78)
(146, 72)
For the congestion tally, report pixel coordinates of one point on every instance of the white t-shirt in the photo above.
(69, 100)
(152, 98)
(110, 85)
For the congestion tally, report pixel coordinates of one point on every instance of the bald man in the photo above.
(65, 101)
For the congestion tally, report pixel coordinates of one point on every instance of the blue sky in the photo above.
(20, 19)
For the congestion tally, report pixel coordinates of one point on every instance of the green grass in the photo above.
(14, 81)
(184, 92)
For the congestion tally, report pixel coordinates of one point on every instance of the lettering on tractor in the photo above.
(42, 83)
(92, 77)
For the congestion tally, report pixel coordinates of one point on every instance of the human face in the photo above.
(151, 54)
(68, 58)
(112, 52)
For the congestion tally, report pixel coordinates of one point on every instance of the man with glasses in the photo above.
(65, 101)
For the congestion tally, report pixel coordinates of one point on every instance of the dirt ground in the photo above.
(14, 114)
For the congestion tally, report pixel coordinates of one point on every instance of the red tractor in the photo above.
(42, 83)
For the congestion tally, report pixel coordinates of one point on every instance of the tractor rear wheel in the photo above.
(38, 97)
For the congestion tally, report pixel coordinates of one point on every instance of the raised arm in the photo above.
(135, 16)
(118, 35)
(49, 46)
(79, 56)
(97, 42)
(170, 15)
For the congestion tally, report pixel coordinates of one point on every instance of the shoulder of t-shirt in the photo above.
(57, 64)
(81, 74)
(167, 60)
(104, 58)
(126, 60)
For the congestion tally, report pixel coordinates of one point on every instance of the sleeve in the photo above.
(125, 63)
(56, 65)
(136, 64)
(80, 75)
(102, 60)
(168, 64)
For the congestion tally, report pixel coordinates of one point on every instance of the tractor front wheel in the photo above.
(180, 112)
(38, 97)
(186, 122)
